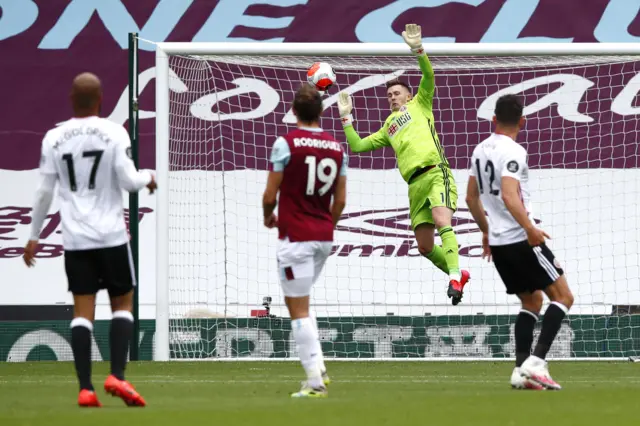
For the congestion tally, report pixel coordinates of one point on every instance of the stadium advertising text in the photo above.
(568, 93)
(363, 337)
(252, 20)
(13, 217)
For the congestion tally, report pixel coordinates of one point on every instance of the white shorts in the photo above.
(300, 264)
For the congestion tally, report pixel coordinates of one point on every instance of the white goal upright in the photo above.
(219, 108)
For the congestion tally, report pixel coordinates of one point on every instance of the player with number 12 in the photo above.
(499, 185)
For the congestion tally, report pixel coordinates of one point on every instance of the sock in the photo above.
(450, 250)
(550, 327)
(119, 338)
(323, 368)
(437, 258)
(81, 329)
(523, 331)
(306, 337)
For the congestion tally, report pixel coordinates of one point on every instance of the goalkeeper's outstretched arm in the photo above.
(412, 35)
(357, 144)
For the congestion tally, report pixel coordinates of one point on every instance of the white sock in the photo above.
(306, 337)
(323, 368)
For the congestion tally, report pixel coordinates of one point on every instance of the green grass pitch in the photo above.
(362, 393)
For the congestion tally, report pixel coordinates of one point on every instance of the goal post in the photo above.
(220, 106)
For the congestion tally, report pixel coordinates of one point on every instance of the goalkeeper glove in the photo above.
(345, 106)
(412, 35)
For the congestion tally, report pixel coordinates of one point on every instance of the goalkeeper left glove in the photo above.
(412, 35)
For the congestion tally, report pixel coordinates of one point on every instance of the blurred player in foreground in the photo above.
(309, 168)
(90, 158)
(411, 131)
(499, 184)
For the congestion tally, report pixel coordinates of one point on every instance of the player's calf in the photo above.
(81, 329)
(561, 302)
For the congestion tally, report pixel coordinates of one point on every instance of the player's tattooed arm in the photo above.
(477, 211)
(475, 205)
(513, 202)
(339, 199)
(269, 198)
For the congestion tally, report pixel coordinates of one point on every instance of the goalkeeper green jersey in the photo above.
(410, 130)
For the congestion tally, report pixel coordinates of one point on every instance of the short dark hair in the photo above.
(397, 82)
(307, 104)
(509, 110)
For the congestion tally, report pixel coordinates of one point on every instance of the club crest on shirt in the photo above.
(512, 166)
(398, 123)
(556, 263)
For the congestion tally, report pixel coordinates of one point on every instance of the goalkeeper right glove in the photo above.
(412, 35)
(344, 109)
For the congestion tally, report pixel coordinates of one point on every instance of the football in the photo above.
(321, 76)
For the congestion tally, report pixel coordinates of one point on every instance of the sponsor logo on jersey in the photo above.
(316, 143)
(512, 166)
(398, 123)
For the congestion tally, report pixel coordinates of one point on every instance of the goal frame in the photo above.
(166, 49)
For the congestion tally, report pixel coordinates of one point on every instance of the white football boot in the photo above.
(520, 382)
(536, 370)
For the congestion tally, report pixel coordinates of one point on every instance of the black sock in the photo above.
(81, 346)
(550, 327)
(119, 337)
(523, 331)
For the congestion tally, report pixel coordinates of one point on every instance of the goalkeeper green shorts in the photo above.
(435, 188)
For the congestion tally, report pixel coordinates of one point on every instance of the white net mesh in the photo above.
(377, 297)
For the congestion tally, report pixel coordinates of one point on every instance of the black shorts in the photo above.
(525, 269)
(89, 271)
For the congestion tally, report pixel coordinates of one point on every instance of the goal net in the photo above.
(377, 297)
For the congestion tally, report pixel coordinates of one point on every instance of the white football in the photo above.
(321, 76)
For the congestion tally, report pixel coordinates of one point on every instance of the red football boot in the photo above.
(88, 398)
(456, 288)
(124, 390)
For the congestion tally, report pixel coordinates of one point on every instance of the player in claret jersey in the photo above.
(309, 170)
(499, 184)
(411, 131)
(90, 159)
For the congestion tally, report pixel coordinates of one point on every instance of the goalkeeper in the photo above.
(410, 130)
